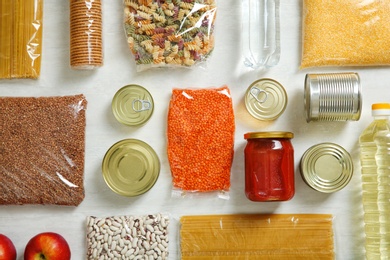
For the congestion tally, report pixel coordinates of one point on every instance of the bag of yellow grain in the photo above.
(345, 33)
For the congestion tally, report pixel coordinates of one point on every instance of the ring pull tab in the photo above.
(255, 92)
(143, 105)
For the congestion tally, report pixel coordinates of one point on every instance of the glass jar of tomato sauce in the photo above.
(269, 166)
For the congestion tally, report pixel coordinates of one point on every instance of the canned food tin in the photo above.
(332, 97)
(132, 105)
(266, 99)
(326, 167)
(130, 167)
(269, 166)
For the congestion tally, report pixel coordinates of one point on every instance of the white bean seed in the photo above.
(121, 242)
(124, 250)
(135, 241)
(154, 245)
(146, 245)
(162, 248)
(123, 233)
(101, 222)
(113, 228)
(113, 245)
(149, 221)
(136, 251)
(158, 250)
(91, 234)
(150, 228)
(165, 244)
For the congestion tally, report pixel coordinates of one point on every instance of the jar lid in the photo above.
(258, 135)
(132, 105)
(266, 99)
(130, 167)
(326, 167)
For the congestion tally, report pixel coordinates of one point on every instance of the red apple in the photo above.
(47, 245)
(7, 248)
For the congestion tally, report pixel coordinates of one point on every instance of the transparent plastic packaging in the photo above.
(20, 38)
(128, 237)
(260, 33)
(162, 33)
(362, 40)
(375, 169)
(257, 236)
(86, 34)
(42, 150)
(201, 140)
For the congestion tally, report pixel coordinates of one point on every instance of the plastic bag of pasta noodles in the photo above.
(170, 33)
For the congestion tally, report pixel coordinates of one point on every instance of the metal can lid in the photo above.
(259, 135)
(266, 99)
(326, 167)
(132, 105)
(130, 167)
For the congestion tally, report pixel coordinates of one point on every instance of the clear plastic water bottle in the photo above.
(260, 33)
(375, 166)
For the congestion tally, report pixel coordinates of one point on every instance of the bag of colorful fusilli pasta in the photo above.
(169, 33)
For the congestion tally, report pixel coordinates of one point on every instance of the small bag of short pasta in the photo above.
(169, 33)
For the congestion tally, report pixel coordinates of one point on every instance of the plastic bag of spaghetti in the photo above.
(257, 236)
(201, 141)
(169, 33)
(20, 38)
(345, 33)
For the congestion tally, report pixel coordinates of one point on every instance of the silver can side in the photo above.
(332, 97)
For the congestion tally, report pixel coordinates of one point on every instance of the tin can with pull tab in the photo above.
(132, 105)
(266, 99)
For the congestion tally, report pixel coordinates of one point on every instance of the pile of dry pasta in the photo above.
(169, 32)
(20, 38)
(275, 236)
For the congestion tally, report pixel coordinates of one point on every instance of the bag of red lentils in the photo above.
(201, 140)
(345, 33)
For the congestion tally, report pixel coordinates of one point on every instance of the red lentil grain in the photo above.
(201, 139)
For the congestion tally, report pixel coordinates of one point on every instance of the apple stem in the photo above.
(42, 256)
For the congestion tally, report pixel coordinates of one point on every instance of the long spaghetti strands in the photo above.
(275, 236)
(5, 38)
(20, 38)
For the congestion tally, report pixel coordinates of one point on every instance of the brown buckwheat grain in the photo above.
(42, 150)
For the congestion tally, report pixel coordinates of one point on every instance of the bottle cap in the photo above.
(380, 109)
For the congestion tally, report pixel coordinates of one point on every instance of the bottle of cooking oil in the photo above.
(375, 165)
